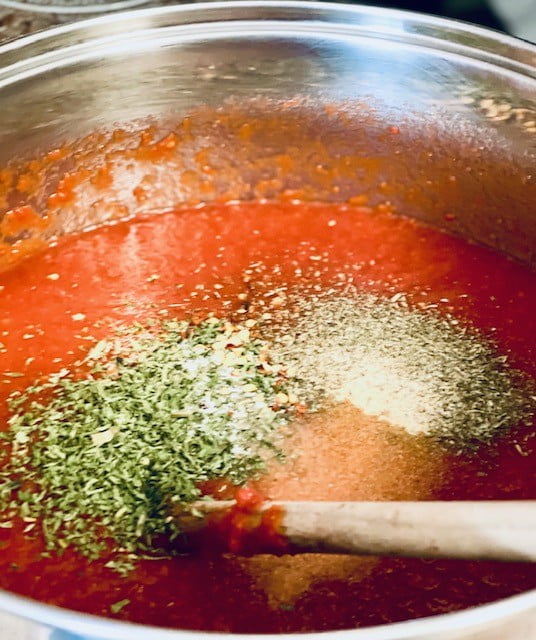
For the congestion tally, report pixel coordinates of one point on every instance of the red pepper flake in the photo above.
(6, 178)
(169, 142)
(357, 201)
(102, 179)
(20, 219)
(140, 193)
(245, 131)
(27, 182)
(55, 154)
(64, 192)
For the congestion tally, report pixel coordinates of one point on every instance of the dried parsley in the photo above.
(120, 604)
(100, 457)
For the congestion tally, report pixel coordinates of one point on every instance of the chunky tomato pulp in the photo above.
(54, 305)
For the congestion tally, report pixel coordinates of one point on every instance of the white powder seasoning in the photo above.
(416, 370)
(383, 388)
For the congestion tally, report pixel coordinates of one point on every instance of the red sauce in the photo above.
(106, 278)
(247, 527)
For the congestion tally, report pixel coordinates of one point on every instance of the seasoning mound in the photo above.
(416, 370)
(101, 456)
(96, 457)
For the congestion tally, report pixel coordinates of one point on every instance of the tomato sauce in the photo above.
(247, 527)
(228, 259)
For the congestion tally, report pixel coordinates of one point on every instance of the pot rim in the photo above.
(28, 5)
(26, 56)
(41, 50)
(97, 627)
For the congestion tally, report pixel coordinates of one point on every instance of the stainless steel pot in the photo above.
(342, 79)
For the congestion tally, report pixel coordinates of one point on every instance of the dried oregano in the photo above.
(420, 371)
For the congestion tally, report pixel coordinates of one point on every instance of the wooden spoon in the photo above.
(494, 530)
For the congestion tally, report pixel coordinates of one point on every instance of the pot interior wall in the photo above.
(164, 109)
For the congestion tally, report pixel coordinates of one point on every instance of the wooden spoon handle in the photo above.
(502, 530)
(483, 530)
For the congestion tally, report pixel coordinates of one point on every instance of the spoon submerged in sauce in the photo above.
(481, 530)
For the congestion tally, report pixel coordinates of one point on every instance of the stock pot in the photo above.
(459, 98)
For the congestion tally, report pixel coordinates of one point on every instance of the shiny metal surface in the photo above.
(204, 54)
(45, 6)
(466, 97)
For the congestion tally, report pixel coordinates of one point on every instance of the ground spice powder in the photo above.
(342, 454)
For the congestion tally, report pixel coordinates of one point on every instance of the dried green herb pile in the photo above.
(420, 371)
(104, 454)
